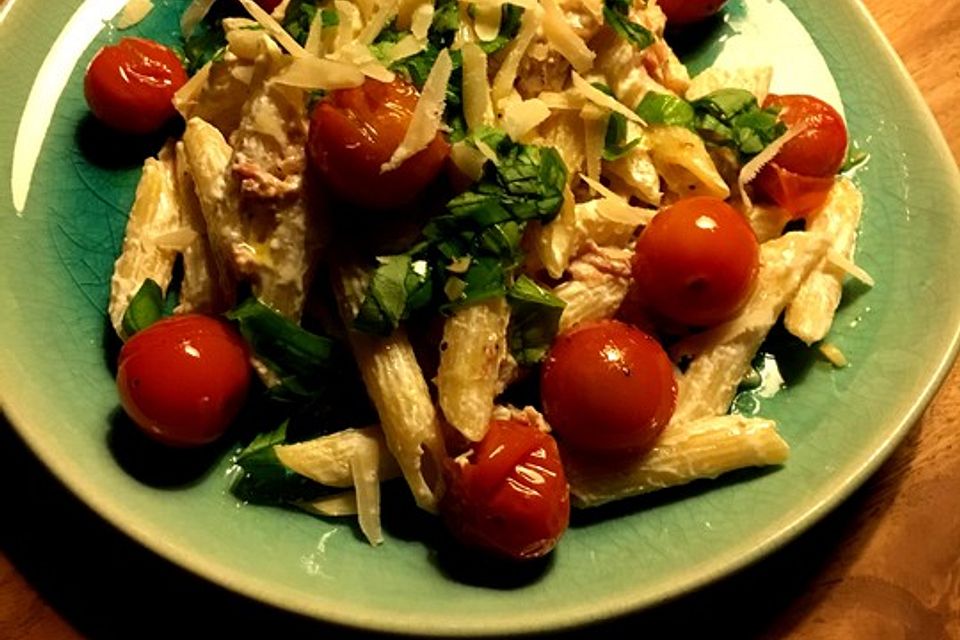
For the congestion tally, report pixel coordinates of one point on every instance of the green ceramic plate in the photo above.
(57, 389)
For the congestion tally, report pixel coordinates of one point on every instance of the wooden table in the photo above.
(884, 565)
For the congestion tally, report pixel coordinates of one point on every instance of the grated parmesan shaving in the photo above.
(186, 97)
(406, 47)
(842, 262)
(487, 152)
(315, 73)
(421, 20)
(349, 16)
(601, 99)
(507, 75)
(477, 107)
(752, 168)
(564, 39)
(427, 116)
(832, 353)
(192, 16)
(595, 122)
(384, 14)
(617, 209)
(486, 22)
(522, 118)
(314, 44)
(273, 27)
(565, 100)
(336, 506)
(468, 159)
(133, 12)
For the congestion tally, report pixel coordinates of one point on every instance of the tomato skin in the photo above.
(696, 262)
(681, 12)
(511, 498)
(795, 193)
(607, 387)
(129, 86)
(802, 173)
(354, 131)
(183, 379)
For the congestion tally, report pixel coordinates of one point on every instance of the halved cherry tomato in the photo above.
(509, 496)
(355, 131)
(801, 174)
(607, 387)
(183, 379)
(681, 12)
(696, 262)
(129, 86)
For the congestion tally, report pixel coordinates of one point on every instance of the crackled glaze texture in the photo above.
(56, 384)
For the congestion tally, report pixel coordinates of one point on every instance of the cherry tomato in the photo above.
(129, 86)
(183, 379)
(509, 496)
(801, 174)
(696, 262)
(354, 131)
(607, 387)
(680, 12)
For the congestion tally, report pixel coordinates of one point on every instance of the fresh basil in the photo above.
(662, 108)
(636, 34)
(471, 252)
(534, 320)
(145, 308)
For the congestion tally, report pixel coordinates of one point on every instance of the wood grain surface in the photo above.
(885, 565)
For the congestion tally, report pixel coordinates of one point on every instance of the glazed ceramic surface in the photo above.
(64, 195)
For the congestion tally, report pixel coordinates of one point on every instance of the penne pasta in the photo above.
(685, 452)
(155, 212)
(601, 280)
(474, 345)
(397, 388)
(810, 314)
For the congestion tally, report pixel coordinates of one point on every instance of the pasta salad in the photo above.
(507, 251)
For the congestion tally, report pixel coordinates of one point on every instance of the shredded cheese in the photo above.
(375, 25)
(175, 240)
(487, 152)
(477, 107)
(406, 47)
(507, 75)
(832, 353)
(349, 16)
(192, 16)
(842, 262)
(133, 12)
(313, 73)
(750, 170)
(564, 101)
(601, 99)
(421, 20)
(427, 115)
(520, 119)
(564, 39)
(273, 27)
(595, 122)
(486, 22)
(314, 44)
(468, 159)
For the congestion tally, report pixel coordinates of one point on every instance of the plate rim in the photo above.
(610, 607)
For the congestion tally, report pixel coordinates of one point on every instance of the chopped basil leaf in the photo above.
(855, 158)
(728, 117)
(299, 16)
(510, 20)
(329, 18)
(534, 320)
(662, 108)
(636, 34)
(260, 477)
(145, 308)
(482, 229)
(615, 143)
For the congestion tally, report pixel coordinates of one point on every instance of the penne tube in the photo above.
(155, 212)
(682, 161)
(704, 448)
(810, 314)
(601, 280)
(327, 459)
(473, 347)
(204, 289)
(399, 392)
(722, 355)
